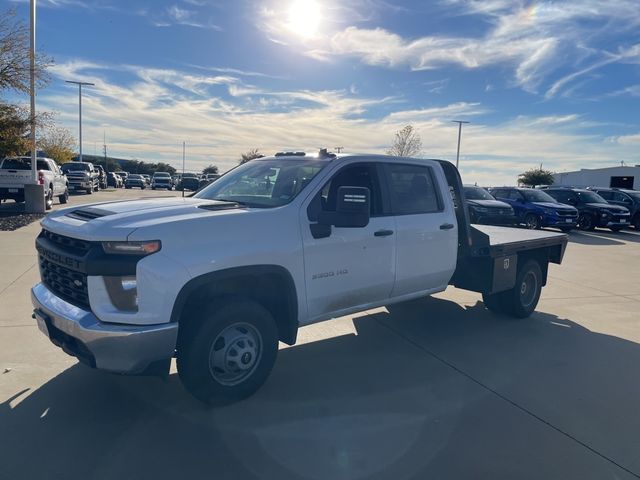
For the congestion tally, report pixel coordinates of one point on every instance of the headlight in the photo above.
(604, 215)
(132, 248)
(123, 292)
(481, 209)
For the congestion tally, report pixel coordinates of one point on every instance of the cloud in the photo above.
(148, 116)
(176, 15)
(536, 40)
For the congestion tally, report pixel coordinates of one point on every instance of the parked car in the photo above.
(175, 179)
(102, 176)
(114, 180)
(630, 199)
(188, 278)
(189, 181)
(135, 180)
(147, 178)
(535, 209)
(82, 176)
(123, 175)
(594, 211)
(161, 180)
(484, 209)
(15, 173)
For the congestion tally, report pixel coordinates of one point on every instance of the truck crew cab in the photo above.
(219, 278)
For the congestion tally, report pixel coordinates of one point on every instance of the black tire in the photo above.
(586, 222)
(64, 198)
(153, 188)
(636, 221)
(495, 302)
(199, 339)
(532, 221)
(89, 191)
(522, 299)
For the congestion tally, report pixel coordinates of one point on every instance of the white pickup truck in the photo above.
(218, 279)
(15, 173)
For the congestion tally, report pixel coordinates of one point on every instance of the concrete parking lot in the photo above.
(437, 388)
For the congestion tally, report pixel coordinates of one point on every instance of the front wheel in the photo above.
(48, 201)
(532, 221)
(585, 222)
(228, 353)
(522, 299)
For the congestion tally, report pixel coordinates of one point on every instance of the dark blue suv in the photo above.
(535, 209)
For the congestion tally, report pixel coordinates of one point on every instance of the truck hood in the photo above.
(489, 203)
(117, 220)
(608, 206)
(557, 206)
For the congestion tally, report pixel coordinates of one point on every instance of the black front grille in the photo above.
(72, 245)
(566, 213)
(65, 283)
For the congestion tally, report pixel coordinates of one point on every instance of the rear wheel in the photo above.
(48, 201)
(585, 222)
(522, 299)
(65, 196)
(532, 221)
(227, 354)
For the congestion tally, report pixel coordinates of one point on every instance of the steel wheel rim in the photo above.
(235, 353)
(528, 288)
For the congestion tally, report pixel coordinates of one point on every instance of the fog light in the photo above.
(123, 292)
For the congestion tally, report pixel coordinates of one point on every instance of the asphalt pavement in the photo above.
(437, 388)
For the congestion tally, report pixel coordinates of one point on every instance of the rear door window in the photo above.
(412, 189)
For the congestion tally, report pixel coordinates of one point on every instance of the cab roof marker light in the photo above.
(132, 248)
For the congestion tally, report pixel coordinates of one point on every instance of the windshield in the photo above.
(134, 177)
(75, 167)
(189, 175)
(264, 183)
(23, 164)
(163, 175)
(537, 196)
(477, 193)
(590, 197)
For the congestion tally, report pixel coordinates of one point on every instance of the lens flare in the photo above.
(304, 17)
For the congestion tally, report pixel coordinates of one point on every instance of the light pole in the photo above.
(459, 122)
(33, 191)
(80, 84)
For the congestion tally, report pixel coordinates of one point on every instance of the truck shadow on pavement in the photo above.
(432, 389)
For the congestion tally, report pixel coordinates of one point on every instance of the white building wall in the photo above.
(600, 177)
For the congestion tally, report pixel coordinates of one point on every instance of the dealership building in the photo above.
(619, 177)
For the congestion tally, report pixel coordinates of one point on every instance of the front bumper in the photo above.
(126, 349)
(557, 221)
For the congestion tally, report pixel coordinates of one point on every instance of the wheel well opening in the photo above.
(539, 255)
(273, 291)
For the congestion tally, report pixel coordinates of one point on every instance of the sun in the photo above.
(304, 17)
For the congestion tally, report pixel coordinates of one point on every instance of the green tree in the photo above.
(15, 66)
(406, 143)
(210, 169)
(14, 130)
(535, 177)
(250, 155)
(57, 143)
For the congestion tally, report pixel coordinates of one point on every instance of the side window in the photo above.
(617, 197)
(500, 193)
(412, 190)
(608, 195)
(358, 175)
(514, 195)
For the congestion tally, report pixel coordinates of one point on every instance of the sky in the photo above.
(555, 83)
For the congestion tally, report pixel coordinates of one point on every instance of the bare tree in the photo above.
(407, 143)
(250, 155)
(14, 55)
(57, 143)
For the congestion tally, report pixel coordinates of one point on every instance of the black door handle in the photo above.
(446, 226)
(383, 233)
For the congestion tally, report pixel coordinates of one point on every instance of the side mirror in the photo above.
(352, 209)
